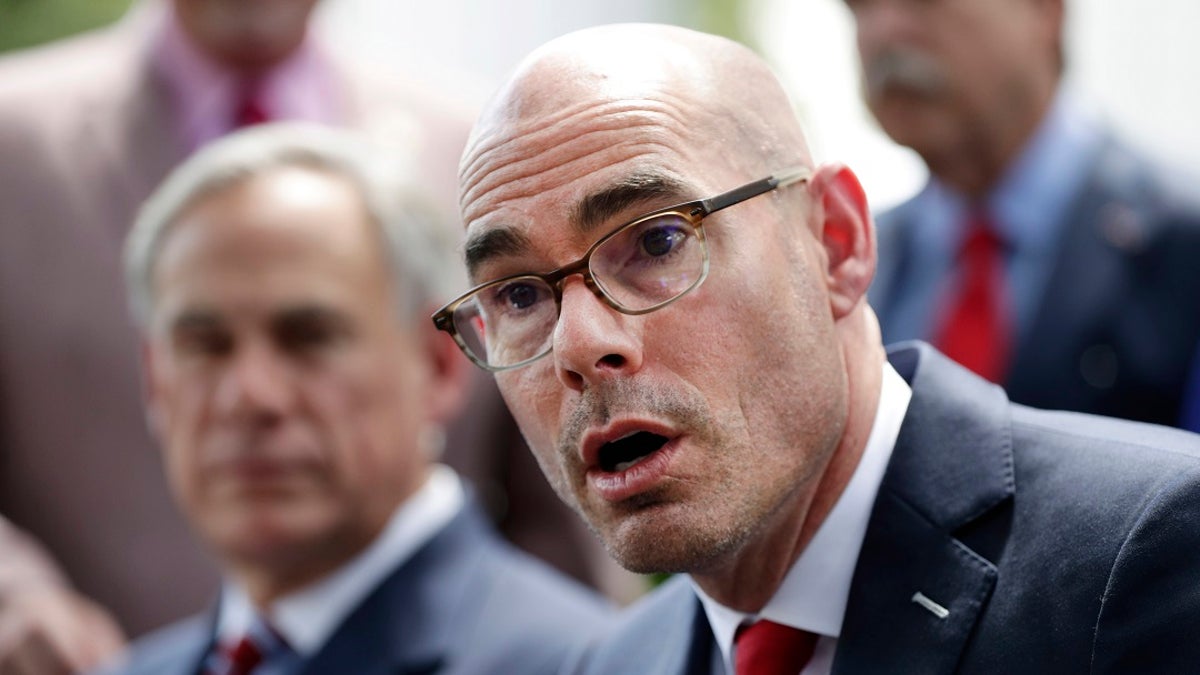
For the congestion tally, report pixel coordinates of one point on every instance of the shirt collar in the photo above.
(302, 87)
(307, 618)
(814, 593)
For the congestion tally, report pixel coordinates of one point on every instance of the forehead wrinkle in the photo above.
(505, 164)
(533, 128)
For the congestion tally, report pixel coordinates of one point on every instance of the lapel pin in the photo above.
(934, 608)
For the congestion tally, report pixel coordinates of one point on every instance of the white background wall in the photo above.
(471, 44)
(1139, 61)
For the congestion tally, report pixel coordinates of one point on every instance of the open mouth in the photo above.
(625, 452)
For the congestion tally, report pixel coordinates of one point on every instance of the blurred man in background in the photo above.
(87, 128)
(282, 281)
(1044, 253)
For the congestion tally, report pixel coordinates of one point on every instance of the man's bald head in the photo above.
(717, 427)
(722, 95)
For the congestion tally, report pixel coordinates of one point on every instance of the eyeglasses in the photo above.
(637, 268)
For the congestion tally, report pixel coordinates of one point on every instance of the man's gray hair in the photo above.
(418, 240)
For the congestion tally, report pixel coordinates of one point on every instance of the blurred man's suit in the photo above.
(962, 568)
(465, 603)
(87, 130)
(1101, 269)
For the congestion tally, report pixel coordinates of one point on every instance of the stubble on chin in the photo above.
(673, 528)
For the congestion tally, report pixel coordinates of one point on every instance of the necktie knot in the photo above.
(250, 107)
(260, 643)
(244, 656)
(769, 648)
(982, 240)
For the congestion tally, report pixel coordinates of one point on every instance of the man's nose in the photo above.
(257, 386)
(592, 341)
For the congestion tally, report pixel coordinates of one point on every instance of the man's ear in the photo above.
(847, 234)
(449, 372)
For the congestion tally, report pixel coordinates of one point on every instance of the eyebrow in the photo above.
(493, 244)
(638, 188)
(591, 212)
(192, 320)
(307, 314)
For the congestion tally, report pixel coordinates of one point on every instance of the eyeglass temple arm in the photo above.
(741, 194)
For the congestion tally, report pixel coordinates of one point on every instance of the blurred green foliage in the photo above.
(24, 23)
(721, 17)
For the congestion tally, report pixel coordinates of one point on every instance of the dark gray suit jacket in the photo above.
(1118, 323)
(467, 603)
(1059, 543)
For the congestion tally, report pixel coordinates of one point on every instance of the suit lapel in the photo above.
(667, 634)
(919, 588)
(413, 620)
(685, 625)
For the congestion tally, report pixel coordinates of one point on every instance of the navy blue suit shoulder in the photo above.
(1055, 540)
(466, 603)
(665, 632)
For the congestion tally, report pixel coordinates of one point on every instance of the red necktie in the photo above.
(242, 658)
(769, 648)
(976, 327)
(250, 109)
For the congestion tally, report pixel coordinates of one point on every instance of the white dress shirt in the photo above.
(307, 618)
(813, 595)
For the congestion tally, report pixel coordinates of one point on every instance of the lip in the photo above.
(257, 469)
(616, 486)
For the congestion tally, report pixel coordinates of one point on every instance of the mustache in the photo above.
(905, 69)
(599, 405)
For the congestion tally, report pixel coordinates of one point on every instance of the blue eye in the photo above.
(660, 241)
(518, 295)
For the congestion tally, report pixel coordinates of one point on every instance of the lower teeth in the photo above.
(625, 465)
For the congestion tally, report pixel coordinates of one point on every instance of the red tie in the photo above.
(769, 648)
(250, 109)
(976, 327)
(242, 658)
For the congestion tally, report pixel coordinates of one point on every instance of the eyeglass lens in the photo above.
(640, 267)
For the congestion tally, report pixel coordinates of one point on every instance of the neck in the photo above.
(748, 582)
(267, 582)
(989, 145)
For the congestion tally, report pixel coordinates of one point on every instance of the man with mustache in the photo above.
(281, 279)
(673, 299)
(1044, 253)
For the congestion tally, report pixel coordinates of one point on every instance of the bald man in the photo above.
(672, 297)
